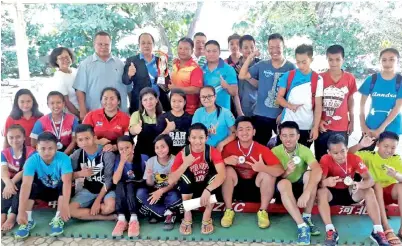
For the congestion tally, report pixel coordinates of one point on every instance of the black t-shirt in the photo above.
(179, 136)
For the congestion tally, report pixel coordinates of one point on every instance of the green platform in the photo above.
(353, 230)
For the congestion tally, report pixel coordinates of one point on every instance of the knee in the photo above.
(74, 206)
(284, 186)
(108, 207)
(264, 178)
(142, 194)
(231, 175)
(369, 193)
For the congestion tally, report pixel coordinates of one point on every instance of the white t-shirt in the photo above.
(300, 93)
(64, 84)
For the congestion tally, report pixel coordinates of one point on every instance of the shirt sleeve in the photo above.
(216, 156)
(30, 166)
(324, 166)
(126, 124)
(319, 91)
(360, 167)
(269, 158)
(307, 155)
(231, 77)
(196, 77)
(226, 151)
(178, 160)
(36, 130)
(75, 160)
(254, 71)
(283, 80)
(66, 166)
(365, 87)
(197, 117)
(109, 159)
(135, 118)
(81, 82)
(88, 119)
(3, 160)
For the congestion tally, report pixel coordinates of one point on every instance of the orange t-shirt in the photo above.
(188, 75)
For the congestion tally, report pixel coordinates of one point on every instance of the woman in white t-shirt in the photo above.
(62, 58)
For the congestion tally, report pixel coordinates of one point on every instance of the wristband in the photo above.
(210, 192)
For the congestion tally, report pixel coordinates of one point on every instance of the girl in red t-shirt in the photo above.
(25, 112)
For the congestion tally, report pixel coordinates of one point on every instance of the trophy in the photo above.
(163, 72)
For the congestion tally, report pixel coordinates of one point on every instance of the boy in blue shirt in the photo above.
(385, 91)
(219, 74)
(47, 176)
(300, 94)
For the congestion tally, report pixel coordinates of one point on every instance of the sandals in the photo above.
(186, 227)
(392, 238)
(205, 225)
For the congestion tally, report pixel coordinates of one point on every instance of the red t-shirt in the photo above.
(26, 124)
(104, 128)
(188, 75)
(331, 169)
(335, 100)
(245, 170)
(200, 167)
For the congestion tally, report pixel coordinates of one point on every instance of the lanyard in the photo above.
(249, 152)
(346, 167)
(57, 132)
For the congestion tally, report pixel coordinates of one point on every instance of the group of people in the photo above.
(203, 128)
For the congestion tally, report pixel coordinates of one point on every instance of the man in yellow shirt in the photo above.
(386, 169)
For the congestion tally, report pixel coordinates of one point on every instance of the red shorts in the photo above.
(387, 193)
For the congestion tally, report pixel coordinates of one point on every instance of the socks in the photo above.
(121, 217)
(378, 228)
(29, 213)
(306, 215)
(133, 217)
(301, 225)
(57, 214)
(329, 227)
(168, 212)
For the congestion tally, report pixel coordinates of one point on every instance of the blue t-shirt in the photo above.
(383, 99)
(152, 72)
(301, 85)
(129, 171)
(268, 78)
(213, 78)
(49, 175)
(211, 121)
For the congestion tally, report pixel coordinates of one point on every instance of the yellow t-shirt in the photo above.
(135, 119)
(374, 163)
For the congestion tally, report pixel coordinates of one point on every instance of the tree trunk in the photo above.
(193, 25)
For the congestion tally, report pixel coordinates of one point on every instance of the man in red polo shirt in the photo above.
(250, 167)
(339, 188)
(187, 75)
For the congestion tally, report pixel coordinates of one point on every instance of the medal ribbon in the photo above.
(58, 132)
(249, 152)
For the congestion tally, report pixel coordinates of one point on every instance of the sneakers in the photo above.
(120, 228)
(379, 238)
(134, 229)
(263, 220)
(227, 219)
(303, 235)
(332, 238)
(314, 231)
(169, 222)
(23, 230)
(56, 226)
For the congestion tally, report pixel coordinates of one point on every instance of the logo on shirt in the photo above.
(117, 127)
(333, 98)
(361, 165)
(130, 174)
(200, 171)
(179, 138)
(49, 181)
(99, 123)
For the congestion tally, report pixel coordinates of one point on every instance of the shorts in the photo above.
(297, 189)
(387, 193)
(44, 193)
(188, 185)
(86, 198)
(246, 190)
(341, 197)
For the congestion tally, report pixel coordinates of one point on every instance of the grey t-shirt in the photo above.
(159, 172)
(268, 78)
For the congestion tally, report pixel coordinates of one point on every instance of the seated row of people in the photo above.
(122, 184)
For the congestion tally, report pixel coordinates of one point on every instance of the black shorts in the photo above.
(297, 189)
(246, 190)
(44, 193)
(187, 183)
(341, 197)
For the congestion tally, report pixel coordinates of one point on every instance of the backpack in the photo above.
(207, 154)
(374, 79)
(314, 82)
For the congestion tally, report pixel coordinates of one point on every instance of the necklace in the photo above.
(296, 159)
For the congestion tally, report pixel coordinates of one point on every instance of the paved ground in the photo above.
(9, 241)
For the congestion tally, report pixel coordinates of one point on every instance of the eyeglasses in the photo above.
(209, 97)
(65, 58)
